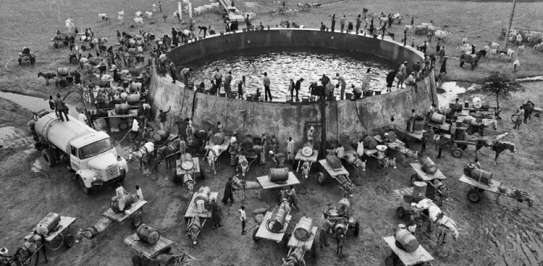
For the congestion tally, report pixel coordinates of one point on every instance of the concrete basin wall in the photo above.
(343, 118)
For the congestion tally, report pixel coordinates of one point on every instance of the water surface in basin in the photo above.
(286, 65)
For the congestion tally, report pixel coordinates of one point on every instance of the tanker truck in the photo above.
(89, 153)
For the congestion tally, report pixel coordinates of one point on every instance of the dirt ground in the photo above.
(507, 233)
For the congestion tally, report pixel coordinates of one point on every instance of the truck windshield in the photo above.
(95, 148)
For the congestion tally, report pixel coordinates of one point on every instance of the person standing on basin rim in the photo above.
(291, 87)
(227, 83)
(267, 91)
(342, 23)
(218, 80)
(358, 23)
(297, 87)
(333, 24)
(342, 84)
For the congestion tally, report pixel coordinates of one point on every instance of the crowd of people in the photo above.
(221, 79)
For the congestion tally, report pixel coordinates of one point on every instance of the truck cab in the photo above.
(89, 153)
(95, 161)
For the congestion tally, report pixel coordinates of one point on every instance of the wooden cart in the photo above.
(262, 232)
(180, 172)
(302, 159)
(401, 257)
(266, 184)
(494, 186)
(195, 219)
(435, 191)
(54, 240)
(135, 213)
(341, 175)
(308, 245)
(420, 175)
(149, 251)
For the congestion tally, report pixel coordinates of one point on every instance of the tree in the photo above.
(500, 84)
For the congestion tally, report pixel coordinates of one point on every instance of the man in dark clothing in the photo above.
(51, 103)
(441, 144)
(172, 72)
(297, 87)
(64, 111)
(228, 192)
(349, 27)
(174, 37)
(215, 214)
(404, 37)
(358, 23)
(291, 87)
(59, 107)
(227, 83)
(372, 27)
(267, 91)
(323, 27)
(247, 23)
(162, 117)
(333, 24)
(390, 80)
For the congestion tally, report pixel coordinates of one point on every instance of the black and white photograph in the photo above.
(271, 132)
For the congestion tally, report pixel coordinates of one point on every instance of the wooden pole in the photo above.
(510, 24)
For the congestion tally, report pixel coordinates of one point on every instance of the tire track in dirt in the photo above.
(12, 137)
(522, 241)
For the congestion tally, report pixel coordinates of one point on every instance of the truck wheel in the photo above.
(48, 157)
(85, 189)
(321, 178)
(474, 195)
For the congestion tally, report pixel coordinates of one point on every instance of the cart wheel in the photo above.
(137, 219)
(400, 213)
(356, 229)
(255, 238)
(474, 195)
(415, 178)
(69, 241)
(321, 178)
(136, 260)
(48, 157)
(56, 243)
(456, 152)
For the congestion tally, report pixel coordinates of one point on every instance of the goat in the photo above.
(148, 14)
(120, 15)
(138, 20)
(47, 76)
